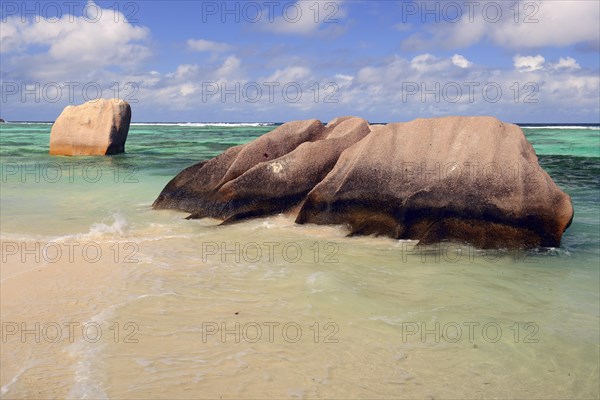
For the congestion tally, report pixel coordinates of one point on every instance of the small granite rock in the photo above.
(98, 127)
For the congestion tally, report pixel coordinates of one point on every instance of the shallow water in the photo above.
(267, 308)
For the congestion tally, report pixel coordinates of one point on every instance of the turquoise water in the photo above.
(156, 153)
(371, 292)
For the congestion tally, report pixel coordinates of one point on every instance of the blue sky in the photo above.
(522, 61)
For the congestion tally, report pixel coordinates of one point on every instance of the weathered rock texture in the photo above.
(98, 127)
(466, 179)
(269, 175)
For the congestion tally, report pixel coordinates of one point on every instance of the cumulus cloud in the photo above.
(230, 69)
(567, 63)
(72, 43)
(427, 63)
(556, 23)
(528, 63)
(187, 89)
(365, 87)
(207, 45)
(390, 70)
(551, 23)
(461, 61)
(344, 78)
(290, 74)
(458, 35)
(393, 88)
(71, 48)
(184, 71)
(531, 88)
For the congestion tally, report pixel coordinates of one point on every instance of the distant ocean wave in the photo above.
(29, 123)
(537, 126)
(592, 127)
(569, 127)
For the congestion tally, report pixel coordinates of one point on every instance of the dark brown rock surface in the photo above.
(471, 179)
(466, 179)
(197, 188)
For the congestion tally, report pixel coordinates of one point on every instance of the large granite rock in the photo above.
(98, 127)
(466, 179)
(281, 184)
(269, 175)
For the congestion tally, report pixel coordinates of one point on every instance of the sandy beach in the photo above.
(322, 199)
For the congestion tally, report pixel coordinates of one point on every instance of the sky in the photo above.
(275, 61)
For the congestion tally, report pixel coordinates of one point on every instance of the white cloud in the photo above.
(72, 46)
(10, 36)
(556, 23)
(567, 63)
(390, 71)
(382, 89)
(207, 45)
(187, 89)
(528, 63)
(184, 70)
(559, 23)
(230, 70)
(426, 63)
(343, 77)
(417, 87)
(462, 34)
(461, 61)
(291, 74)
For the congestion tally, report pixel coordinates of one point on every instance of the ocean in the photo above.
(103, 297)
